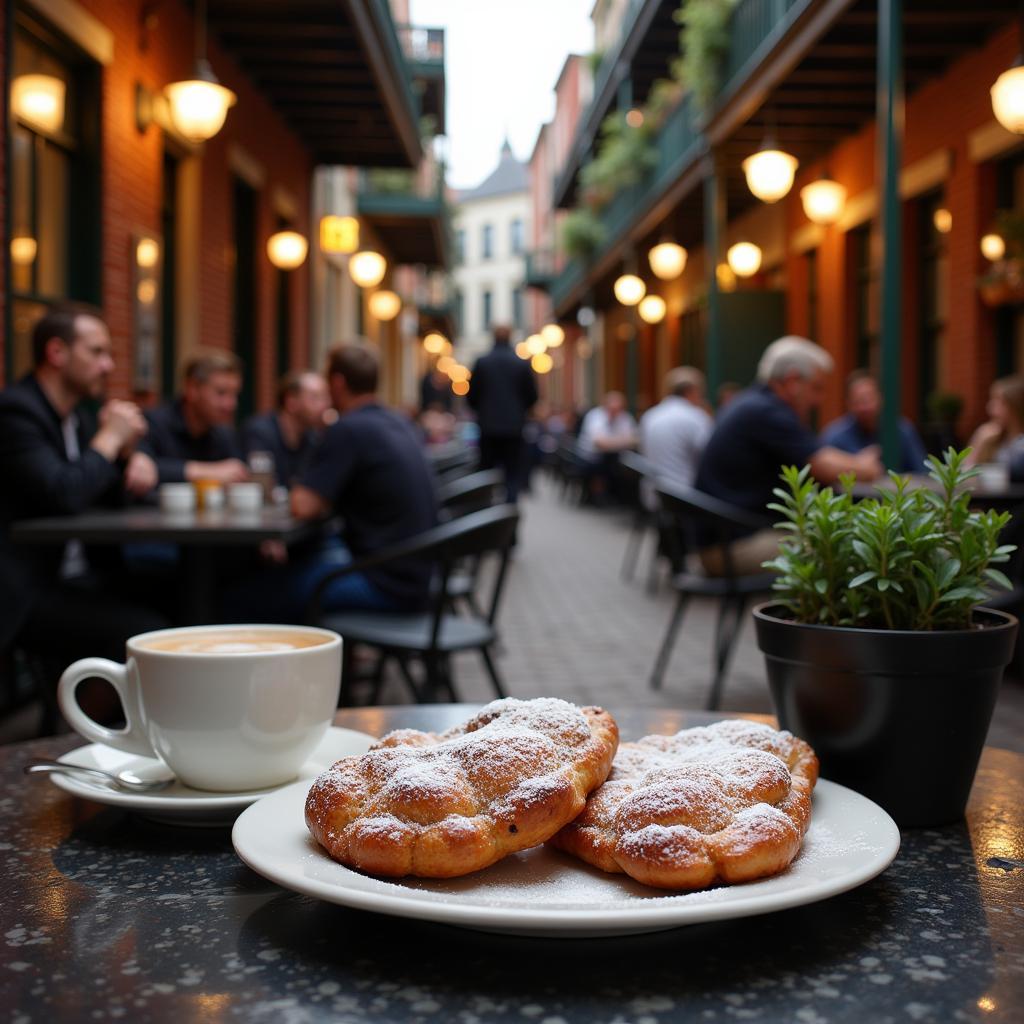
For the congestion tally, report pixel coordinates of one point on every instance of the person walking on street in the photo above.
(502, 390)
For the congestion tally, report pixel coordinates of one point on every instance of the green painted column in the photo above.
(714, 233)
(890, 154)
(632, 361)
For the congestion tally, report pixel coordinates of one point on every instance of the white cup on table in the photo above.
(245, 497)
(177, 499)
(993, 476)
(226, 708)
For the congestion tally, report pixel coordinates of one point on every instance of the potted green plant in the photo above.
(876, 650)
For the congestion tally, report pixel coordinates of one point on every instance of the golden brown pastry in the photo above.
(729, 802)
(443, 805)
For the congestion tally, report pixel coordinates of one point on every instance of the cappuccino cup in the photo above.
(177, 499)
(226, 708)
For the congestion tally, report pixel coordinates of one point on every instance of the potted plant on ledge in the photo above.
(877, 652)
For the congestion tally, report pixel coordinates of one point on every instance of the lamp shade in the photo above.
(460, 387)
(38, 100)
(147, 253)
(287, 249)
(629, 289)
(523, 350)
(536, 344)
(385, 305)
(943, 220)
(770, 174)
(553, 335)
(198, 107)
(652, 309)
(725, 278)
(668, 260)
(367, 268)
(435, 343)
(993, 247)
(823, 201)
(542, 363)
(23, 250)
(744, 259)
(339, 234)
(1008, 100)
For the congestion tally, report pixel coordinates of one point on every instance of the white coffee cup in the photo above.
(177, 499)
(993, 476)
(245, 497)
(226, 708)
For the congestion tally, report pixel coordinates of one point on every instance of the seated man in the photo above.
(858, 429)
(763, 429)
(673, 434)
(607, 429)
(291, 433)
(192, 438)
(56, 459)
(370, 469)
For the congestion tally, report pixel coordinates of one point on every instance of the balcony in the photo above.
(540, 269)
(408, 211)
(679, 146)
(424, 54)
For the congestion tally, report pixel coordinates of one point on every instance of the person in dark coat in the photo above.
(502, 390)
(291, 432)
(192, 438)
(58, 459)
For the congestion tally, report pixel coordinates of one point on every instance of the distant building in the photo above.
(492, 236)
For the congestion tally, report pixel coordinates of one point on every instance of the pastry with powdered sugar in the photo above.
(443, 805)
(723, 803)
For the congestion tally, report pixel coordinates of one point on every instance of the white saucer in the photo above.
(180, 804)
(544, 892)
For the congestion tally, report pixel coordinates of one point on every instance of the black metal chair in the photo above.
(454, 462)
(637, 470)
(470, 493)
(693, 511)
(430, 637)
(572, 470)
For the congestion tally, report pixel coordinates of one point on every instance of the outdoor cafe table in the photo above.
(106, 916)
(1000, 496)
(196, 533)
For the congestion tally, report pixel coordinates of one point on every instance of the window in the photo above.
(515, 237)
(54, 190)
(460, 245)
(866, 242)
(459, 308)
(487, 242)
(812, 295)
(934, 275)
(487, 311)
(517, 307)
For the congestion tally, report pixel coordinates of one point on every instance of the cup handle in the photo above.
(131, 739)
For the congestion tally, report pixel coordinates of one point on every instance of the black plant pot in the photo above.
(898, 716)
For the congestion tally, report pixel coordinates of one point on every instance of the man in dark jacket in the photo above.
(502, 390)
(57, 459)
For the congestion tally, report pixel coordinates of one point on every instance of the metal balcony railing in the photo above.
(540, 268)
(422, 45)
(754, 25)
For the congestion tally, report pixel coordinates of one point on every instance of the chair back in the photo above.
(636, 466)
(468, 494)
(707, 521)
(455, 464)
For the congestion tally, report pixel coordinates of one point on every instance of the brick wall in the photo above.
(131, 187)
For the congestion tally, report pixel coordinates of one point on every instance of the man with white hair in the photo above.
(764, 429)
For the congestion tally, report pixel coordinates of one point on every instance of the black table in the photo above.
(105, 916)
(1003, 497)
(194, 532)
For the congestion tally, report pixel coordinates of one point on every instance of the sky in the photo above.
(501, 63)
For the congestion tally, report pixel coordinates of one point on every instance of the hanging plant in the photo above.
(582, 233)
(704, 44)
(624, 155)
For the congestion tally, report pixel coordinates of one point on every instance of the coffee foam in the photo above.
(234, 641)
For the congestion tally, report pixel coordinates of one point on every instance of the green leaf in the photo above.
(862, 578)
(997, 577)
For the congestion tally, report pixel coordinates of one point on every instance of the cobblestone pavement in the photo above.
(572, 628)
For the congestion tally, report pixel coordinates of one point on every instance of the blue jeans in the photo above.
(281, 593)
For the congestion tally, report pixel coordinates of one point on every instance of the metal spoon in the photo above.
(125, 780)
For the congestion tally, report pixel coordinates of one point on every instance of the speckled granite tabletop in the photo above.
(108, 916)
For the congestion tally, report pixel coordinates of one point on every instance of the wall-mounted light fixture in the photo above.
(38, 100)
(23, 250)
(287, 249)
(339, 234)
(770, 173)
(993, 247)
(535, 344)
(553, 335)
(367, 268)
(629, 289)
(823, 201)
(435, 343)
(667, 260)
(744, 259)
(943, 220)
(384, 305)
(542, 363)
(652, 309)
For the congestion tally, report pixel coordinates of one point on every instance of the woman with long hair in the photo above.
(995, 439)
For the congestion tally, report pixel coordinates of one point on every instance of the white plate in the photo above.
(544, 892)
(179, 803)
